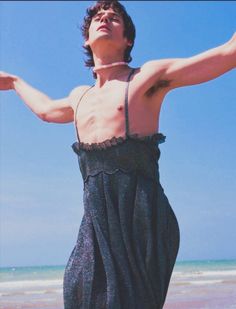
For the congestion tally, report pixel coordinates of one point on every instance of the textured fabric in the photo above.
(129, 235)
(121, 157)
(128, 238)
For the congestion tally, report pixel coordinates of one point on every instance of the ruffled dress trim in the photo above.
(153, 138)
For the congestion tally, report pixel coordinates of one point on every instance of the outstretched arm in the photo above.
(193, 70)
(58, 111)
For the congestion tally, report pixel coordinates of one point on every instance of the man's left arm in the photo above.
(197, 69)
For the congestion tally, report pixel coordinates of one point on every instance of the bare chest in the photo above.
(101, 115)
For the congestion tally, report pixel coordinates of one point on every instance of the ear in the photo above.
(129, 43)
(86, 43)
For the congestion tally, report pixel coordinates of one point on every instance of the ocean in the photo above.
(194, 285)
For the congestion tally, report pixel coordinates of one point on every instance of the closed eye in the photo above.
(112, 17)
(98, 17)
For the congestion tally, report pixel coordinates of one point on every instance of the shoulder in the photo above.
(149, 77)
(76, 94)
(154, 68)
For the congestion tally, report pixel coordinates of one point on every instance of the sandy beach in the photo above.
(193, 286)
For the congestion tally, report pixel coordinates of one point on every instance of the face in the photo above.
(107, 25)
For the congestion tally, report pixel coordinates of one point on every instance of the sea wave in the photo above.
(203, 282)
(31, 292)
(207, 273)
(30, 283)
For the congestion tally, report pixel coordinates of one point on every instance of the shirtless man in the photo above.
(100, 116)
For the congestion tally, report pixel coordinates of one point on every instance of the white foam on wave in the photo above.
(208, 273)
(203, 282)
(29, 284)
(219, 273)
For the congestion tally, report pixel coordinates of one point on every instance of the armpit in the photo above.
(159, 84)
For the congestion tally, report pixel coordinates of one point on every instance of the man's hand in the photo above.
(7, 81)
(57, 111)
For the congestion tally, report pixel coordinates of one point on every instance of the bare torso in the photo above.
(101, 112)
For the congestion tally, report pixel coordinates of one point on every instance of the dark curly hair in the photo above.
(129, 28)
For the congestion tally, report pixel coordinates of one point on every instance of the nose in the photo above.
(104, 19)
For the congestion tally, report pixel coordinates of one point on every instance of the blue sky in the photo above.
(41, 186)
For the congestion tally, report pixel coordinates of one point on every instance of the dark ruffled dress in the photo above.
(129, 235)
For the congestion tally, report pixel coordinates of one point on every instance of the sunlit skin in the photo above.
(101, 112)
(106, 39)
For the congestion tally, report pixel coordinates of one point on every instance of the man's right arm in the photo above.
(47, 109)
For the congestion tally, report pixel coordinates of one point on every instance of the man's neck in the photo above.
(106, 66)
(110, 73)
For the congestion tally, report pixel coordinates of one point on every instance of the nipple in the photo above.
(120, 108)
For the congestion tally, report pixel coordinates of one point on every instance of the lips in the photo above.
(103, 27)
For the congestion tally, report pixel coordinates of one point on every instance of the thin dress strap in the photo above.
(126, 104)
(75, 114)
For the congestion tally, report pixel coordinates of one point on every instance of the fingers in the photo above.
(7, 81)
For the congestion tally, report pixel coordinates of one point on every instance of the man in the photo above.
(99, 116)
(178, 72)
